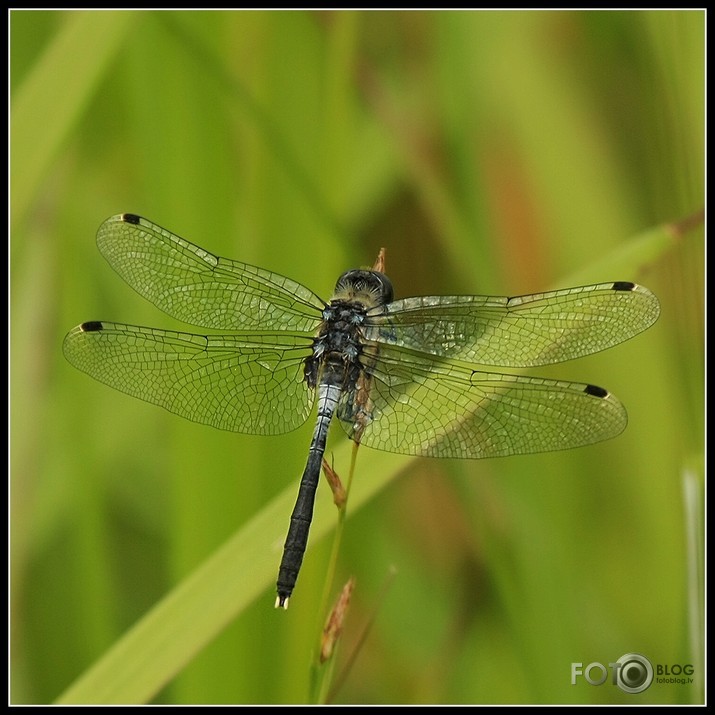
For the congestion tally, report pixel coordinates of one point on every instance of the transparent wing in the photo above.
(522, 331)
(251, 383)
(200, 288)
(420, 405)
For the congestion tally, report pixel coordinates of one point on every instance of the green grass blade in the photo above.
(59, 87)
(152, 652)
(627, 261)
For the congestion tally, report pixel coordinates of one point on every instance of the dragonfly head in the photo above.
(370, 288)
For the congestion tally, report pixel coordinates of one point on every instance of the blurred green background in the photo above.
(489, 152)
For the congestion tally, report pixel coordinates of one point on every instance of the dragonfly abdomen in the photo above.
(297, 538)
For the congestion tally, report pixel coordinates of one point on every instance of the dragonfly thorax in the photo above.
(337, 346)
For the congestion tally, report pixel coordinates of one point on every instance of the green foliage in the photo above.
(489, 152)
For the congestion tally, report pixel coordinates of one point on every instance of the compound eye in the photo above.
(386, 290)
(369, 287)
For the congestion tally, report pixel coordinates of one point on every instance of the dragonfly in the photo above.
(404, 376)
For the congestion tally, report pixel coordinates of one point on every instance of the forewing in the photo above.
(522, 331)
(242, 382)
(428, 406)
(202, 289)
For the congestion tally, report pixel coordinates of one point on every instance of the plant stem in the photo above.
(321, 673)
